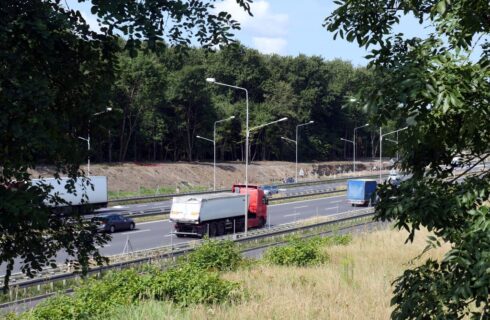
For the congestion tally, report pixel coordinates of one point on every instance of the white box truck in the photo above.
(216, 214)
(82, 192)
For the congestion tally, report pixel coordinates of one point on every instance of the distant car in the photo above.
(289, 180)
(394, 178)
(113, 222)
(270, 190)
(457, 162)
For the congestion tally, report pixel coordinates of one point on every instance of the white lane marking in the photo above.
(104, 246)
(137, 231)
(302, 201)
(148, 222)
(331, 208)
(300, 207)
(338, 201)
(291, 215)
(119, 207)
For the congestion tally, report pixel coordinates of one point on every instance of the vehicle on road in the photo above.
(269, 190)
(394, 178)
(289, 180)
(218, 214)
(113, 222)
(457, 161)
(361, 191)
(91, 191)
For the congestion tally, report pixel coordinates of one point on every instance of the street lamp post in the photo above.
(381, 135)
(354, 146)
(354, 139)
(214, 148)
(213, 80)
(396, 143)
(297, 127)
(88, 137)
(296, 143)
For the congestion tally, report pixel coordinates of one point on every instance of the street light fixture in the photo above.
(381, 135)
(354, 139)
(213, 80)
(267, 124)
(88, 137)
(354, 146)
(214, 148)
(297, 127)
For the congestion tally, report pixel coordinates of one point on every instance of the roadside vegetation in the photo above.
(338, 277)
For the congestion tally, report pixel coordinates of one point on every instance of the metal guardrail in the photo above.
(286, 185)
(173, 250)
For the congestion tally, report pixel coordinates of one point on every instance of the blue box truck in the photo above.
(360, 191)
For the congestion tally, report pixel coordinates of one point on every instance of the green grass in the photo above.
(153, 192)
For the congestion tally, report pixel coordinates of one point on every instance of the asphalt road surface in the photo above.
(154, 234)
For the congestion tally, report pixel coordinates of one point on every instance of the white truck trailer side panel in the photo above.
(96, 196)
(191, 209)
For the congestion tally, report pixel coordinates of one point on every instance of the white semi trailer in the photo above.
(217, 214)
(91, 191)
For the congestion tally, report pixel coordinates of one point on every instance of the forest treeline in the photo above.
(161, 101)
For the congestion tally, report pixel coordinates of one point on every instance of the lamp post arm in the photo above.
(290, 140)
(210, 140)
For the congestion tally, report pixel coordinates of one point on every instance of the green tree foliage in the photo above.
(56, 73)
(215, 256)
(184, 105)
(439, 86)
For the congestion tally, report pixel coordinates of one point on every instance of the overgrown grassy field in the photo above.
(354, 283)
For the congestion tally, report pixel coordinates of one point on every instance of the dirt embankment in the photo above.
(132, 176)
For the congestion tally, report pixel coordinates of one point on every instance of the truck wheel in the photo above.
(221, 229)
(212, 230)
(261, 222)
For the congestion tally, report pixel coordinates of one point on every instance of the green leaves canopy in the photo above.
(441, 90)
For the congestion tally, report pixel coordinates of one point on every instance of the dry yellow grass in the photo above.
(355, 284)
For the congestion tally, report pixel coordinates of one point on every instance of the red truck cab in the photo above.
(257, 204)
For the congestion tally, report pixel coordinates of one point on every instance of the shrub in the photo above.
(188, 284)
(296, 253)
(116, 288)
(56, 308)
(215, 255)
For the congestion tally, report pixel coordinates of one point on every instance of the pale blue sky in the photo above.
(289, 27)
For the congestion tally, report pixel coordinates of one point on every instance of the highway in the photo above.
(164, 206)
(154, 234)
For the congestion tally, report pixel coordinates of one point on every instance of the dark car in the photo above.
(113, 222)
(289, 180)
(270, 190)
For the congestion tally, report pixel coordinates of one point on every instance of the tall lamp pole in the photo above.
(354, 139)
(381, 135)
(297, 127)
(354, 146)
(213, 80)
(214, 148)
(88, 137)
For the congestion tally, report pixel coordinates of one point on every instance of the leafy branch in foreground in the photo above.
(439, 89)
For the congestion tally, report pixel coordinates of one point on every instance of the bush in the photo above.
(296, 253)
(183, 285)
(215, 255)
(304, 252)
(189, 284)
(56, 308)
